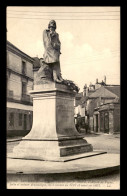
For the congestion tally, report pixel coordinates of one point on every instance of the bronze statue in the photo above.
(50, 64)
(52, 50)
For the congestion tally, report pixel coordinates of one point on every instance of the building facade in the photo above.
(19, 83)
(97, 106)
(101, 109)
(107, 118)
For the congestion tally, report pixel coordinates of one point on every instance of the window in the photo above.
(23, 67)
(20, 119)
(23, 88)
(11, 119)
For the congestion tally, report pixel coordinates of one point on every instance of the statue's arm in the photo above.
(57, 45)
(46, 40)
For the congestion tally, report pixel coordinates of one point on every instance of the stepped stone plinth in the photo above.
(53, 136)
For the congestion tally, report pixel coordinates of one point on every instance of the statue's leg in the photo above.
(58, 71)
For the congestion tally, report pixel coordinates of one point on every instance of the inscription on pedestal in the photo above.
(65, 114)
(76, 150)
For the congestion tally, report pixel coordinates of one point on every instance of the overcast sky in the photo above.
(90, 39)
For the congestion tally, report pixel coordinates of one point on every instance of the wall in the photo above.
(35, 73)
(91, 123)
(82, 111)
(14, 62)
(91, 105)
(116, 117)
(101, 121)
(15, 86)
(29, 69)
(111, 122)
(18, 129)
(108, 100)
(76, 111)
(29, 86)
(94, 125)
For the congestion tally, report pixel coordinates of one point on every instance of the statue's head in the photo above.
(52, 23)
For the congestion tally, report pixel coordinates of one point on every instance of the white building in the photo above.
(19, 82)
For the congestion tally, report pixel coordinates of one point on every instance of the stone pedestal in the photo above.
(53, 135)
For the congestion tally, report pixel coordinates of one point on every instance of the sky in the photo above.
(90, 39)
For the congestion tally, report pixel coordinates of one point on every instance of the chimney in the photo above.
(97, 81)
(87, 92)
(105, 79)
(84, 90)
(85, 86)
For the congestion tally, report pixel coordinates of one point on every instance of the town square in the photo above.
(63, 97)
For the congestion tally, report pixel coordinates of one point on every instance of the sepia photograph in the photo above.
(63, 97)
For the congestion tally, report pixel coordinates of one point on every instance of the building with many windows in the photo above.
(19, 83)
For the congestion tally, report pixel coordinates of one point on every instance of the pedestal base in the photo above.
(51, 150)
(53, 134)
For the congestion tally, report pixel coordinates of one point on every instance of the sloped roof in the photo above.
(10, 45)
(104, 91)
(114, 89)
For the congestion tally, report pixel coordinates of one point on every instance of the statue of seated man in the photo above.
(52, 50)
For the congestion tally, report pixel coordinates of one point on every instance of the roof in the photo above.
(114, 89)
(106, 91)
(17, 50)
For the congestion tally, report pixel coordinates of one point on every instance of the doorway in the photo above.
(96, 123)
